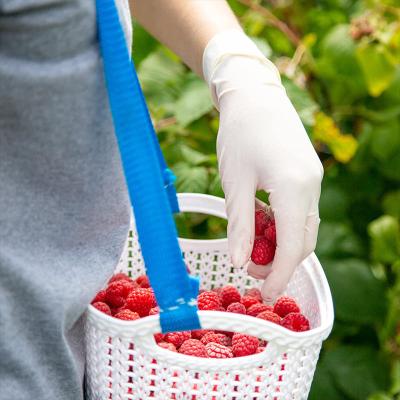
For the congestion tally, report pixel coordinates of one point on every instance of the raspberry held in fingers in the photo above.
(263, 251)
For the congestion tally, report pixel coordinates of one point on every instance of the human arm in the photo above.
(261, 142)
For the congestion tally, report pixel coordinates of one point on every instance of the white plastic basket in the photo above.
(124, 361)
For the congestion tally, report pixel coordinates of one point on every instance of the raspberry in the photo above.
(237, 308)
(119, 277)
(216, 350)
(270, 233)
(296, 322)
(261, 222)
(244, 345)
(249, 301)
(168, 346)
(270, 316)
(127, 315)
(193, 347)
(228, 295)
(219, 338)
(285, 305)
(260, 349)
(143, 281)
(177, 338)
(263, 252)
(117, 292)
(158, 337)
(256, 309)
(208, 301)
(103, 307)
(254, 292)
(199, 333)
(100, 296)
(154, 311)
(141, 300)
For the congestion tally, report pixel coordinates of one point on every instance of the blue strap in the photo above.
(149, 181)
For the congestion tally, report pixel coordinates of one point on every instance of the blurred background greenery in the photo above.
(339, 60)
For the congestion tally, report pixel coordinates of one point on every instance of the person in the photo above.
(64, 209)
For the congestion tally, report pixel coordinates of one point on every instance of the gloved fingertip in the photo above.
(270, 291)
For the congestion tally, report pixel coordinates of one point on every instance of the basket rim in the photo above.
(270, 331)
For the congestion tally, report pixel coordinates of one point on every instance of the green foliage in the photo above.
(341, 69)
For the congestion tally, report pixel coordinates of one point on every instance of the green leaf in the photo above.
(336, 239)
(302, 101)
(358, 371)
(162, 78)
(338, 66)
(323, 385)
(191, 156)
(391, 167)
(194, 101)
(359, 297)
(378, 67)
(190, 179)
(385, 235)
(143, 44)
(334, 202)
(380, 396)
(385, 140)
(391, 204)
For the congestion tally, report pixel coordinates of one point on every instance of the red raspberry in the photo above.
(244, 345)
(261, 222)
(143, 281)
(237, 308)
(127, 315)
(158, 337)
(285, 305)
(141, 300)
(256, 309)
(177, 338)
(154, 311)
(263, 252)
(119, 277)
(168, 346)
(199, 333)
(219, 338)
(296, 322)
(228, 295)
(260, 349)
(254, 292)
(270, 233)
(208, 301)
(103, 307)
(270, 316)
(193, 347)
(117, 292)
(226, 333)
(100, 296)
(216, 350)
(248, 301)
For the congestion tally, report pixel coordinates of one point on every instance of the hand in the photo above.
(262, 144)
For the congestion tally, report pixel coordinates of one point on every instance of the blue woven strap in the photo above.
(149, 181)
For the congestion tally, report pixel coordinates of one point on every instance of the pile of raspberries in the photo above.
(128, 299)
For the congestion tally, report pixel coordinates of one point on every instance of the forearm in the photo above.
(185, 26)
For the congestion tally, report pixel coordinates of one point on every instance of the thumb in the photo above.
(239, 199)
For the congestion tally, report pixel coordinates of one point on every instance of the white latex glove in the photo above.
(262, 144)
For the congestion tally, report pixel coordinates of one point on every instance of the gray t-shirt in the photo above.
(64, 209)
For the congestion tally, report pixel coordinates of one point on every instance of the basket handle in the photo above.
(149, 181)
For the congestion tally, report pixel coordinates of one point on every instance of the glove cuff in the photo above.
(234, 43)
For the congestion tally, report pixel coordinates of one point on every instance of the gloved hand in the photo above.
(262, 144)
